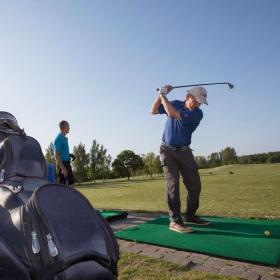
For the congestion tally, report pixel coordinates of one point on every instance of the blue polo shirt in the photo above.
(178, 133)
(61, 146)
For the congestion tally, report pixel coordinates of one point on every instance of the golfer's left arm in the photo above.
(170, 110)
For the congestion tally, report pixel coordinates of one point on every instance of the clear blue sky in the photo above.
(97, 64)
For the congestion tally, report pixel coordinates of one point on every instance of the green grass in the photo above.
(252, 191)
(136, 267)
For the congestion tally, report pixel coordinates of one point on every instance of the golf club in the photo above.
(230, 85)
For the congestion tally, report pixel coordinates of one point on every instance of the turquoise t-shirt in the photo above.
(61, 146)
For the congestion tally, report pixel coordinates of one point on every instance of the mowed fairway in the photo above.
(251, 191)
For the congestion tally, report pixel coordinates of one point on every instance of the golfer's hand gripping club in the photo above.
(165, 90)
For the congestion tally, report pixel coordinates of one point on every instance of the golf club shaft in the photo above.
(207, 84)
(195, 85)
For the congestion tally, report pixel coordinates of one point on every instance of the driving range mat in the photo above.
(112, 215)
(234, 238)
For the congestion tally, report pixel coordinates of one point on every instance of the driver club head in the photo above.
(231, 86)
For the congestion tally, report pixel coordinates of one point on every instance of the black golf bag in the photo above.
(47, 231)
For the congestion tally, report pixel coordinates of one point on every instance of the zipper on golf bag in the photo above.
(32, 243)
(40, 245)
(51, 239)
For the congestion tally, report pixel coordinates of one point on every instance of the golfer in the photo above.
(183, 117)
(62, 156)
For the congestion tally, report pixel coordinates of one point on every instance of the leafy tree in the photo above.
(157, 165)
(201, 162)
(244, 160)
(80, 164)
(104, 163)
(150, 163)
(126, 163)
(214, 160)
(228, 156)
(107, 166)
(93, 158)
(99, 161)
(49, 156)
(258, 158)
(273, 157)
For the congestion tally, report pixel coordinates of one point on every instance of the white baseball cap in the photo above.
(199, 93)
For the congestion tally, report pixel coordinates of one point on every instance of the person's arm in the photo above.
(60, 164)
(169, 108)
(155, 106)
(161, 99)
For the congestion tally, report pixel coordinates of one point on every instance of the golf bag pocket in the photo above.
(11, 267)
(21, 155)
(67, 238)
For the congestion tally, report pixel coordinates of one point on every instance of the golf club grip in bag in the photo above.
(59, 236)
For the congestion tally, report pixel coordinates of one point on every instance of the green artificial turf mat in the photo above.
(112, 215)
(234, 238)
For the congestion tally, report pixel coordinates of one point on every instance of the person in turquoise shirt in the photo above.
(62, 155)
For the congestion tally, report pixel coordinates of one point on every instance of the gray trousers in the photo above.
(175, 163)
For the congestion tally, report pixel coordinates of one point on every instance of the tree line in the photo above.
(228, 156)
(97, 163)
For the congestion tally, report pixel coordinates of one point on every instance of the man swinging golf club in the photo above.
(183, 117)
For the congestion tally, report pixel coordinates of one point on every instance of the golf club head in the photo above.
(231, 86)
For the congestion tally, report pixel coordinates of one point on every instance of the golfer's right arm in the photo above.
(163, 91)
(170, 110)
(60, 164)
(156, 104)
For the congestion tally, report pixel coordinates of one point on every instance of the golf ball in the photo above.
(267, 233)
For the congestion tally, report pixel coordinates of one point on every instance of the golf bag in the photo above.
(47, 231)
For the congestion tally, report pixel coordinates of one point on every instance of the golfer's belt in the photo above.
(184, 148)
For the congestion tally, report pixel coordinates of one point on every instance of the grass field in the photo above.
(251, 191)
(136, 267)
